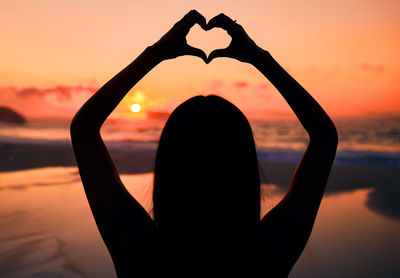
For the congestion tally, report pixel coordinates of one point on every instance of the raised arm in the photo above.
(287, 227)
(124, 225)
(293, 218)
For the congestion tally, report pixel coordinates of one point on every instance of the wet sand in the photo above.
(47, 229)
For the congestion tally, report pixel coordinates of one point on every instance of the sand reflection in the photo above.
(47, 230)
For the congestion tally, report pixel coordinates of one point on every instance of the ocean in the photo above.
(362, 141)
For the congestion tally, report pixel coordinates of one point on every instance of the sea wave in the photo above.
(343, 157)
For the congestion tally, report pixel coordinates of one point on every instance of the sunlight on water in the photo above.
(364, 142)
(373, 134)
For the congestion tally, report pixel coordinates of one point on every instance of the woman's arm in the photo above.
(293, 218)
(119, 217)
(287, 227)
(125, 226)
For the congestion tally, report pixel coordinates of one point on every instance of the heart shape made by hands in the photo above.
(208, 40)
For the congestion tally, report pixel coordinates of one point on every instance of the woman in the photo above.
(206, 182)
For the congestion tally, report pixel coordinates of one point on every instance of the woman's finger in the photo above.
(193, 51)
(219, 53)
(196, 17)
(191, 18)
(222, 21)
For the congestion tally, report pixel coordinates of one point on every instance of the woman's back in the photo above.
(197, 254)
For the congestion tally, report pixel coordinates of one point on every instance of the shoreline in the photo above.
(138, 158)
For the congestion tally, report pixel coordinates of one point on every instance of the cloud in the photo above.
(61, 100)
(263, 87)
(215, 85)
(240, 84)
(240, 88)
(30, 92)
(316, 74)
(60, 93)
(251, 98)
(373, 68)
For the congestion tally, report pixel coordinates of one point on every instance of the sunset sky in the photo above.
(55, 54)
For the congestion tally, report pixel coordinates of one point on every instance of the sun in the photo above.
(135, 108)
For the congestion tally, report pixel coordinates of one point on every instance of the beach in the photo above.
(127, 69)
(47, 229)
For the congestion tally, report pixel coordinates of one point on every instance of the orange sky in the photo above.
(54, 54)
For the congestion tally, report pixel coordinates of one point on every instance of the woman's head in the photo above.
(206, 198)
(206, 168)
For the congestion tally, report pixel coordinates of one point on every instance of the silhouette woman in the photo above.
(206, 181)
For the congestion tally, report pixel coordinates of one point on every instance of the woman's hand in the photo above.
(241, 48)
(173, 44)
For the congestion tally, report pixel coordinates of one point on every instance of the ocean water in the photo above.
(362, 141)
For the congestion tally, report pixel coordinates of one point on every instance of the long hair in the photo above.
(206, 182)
